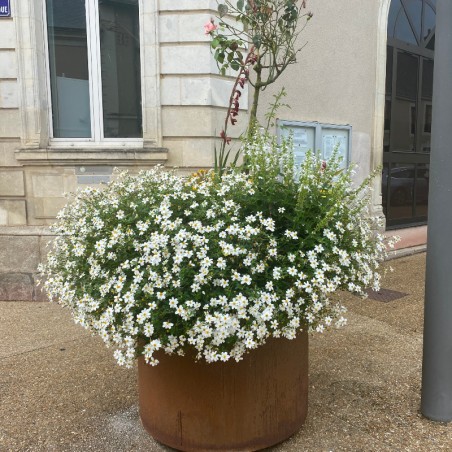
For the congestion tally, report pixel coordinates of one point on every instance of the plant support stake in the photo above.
(436, 401)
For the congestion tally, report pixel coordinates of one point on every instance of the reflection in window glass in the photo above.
(422, 185)
(402, 28)
(413, 120)
(428, 118)
(427, 79)
(401, 190)
(120, 65)
(388, 114)
(407, 75)
(404, 106)
(429, 21)
(414, 10)
(389, 66)
(394, 11)
(385, 188)
(68, 60)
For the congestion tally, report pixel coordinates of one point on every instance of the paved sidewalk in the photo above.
(60, 389)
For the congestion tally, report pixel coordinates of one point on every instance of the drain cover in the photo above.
(385, 295)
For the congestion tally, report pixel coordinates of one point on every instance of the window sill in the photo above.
(60, 156)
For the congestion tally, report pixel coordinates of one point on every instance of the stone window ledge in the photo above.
(25, 231)
(124, 157)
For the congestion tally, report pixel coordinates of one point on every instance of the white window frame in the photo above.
(97, 139)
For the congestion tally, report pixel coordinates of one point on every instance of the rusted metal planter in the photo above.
(250, 405)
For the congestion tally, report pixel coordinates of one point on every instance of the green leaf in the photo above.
(222, 10)
(235, 65)
(215, 43)
(240, 5)
(257, 41)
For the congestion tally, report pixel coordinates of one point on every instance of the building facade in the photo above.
(90, 85)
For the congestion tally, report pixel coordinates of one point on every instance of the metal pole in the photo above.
(436, 403)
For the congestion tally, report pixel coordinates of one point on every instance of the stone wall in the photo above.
(12, 187)
(194, 97)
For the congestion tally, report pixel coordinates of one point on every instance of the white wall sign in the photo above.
(5, 8)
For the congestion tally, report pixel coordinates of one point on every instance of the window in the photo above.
(408, 112)
(94, 65)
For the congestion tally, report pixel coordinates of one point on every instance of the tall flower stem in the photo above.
(232, 111)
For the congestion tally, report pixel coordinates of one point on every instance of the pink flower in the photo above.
(209, 27)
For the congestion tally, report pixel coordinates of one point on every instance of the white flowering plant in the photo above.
(215, 263)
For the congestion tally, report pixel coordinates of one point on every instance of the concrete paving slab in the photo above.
(49, 396)
(404, 314)
(28, 326)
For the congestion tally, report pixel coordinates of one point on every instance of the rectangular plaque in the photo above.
(5, 8)
(320, 138)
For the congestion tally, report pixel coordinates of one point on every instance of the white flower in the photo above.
(291, 234)
(148, 329)
(258, 273)
(246, 279)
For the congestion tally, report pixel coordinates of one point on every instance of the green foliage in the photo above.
(267, 28)
(215, 263)
(270, 116)
(257, 39)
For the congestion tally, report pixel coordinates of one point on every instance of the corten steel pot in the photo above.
(245, 406)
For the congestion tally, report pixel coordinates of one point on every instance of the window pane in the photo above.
(401, 188)
(68, 59)
(429, 20)
(120, 66)
(427, 79)
(394, 11)
(398, 25)
(404, 107)
(422, 181)
(414, 10)
(407, 75)
(385, 188)
(389, 69)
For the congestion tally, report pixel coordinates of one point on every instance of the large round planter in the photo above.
(250, 405)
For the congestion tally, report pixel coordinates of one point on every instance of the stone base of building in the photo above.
(22, 248)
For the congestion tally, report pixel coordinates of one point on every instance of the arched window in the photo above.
(408, 111)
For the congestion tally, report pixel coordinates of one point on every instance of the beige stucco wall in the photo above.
(339, 77)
